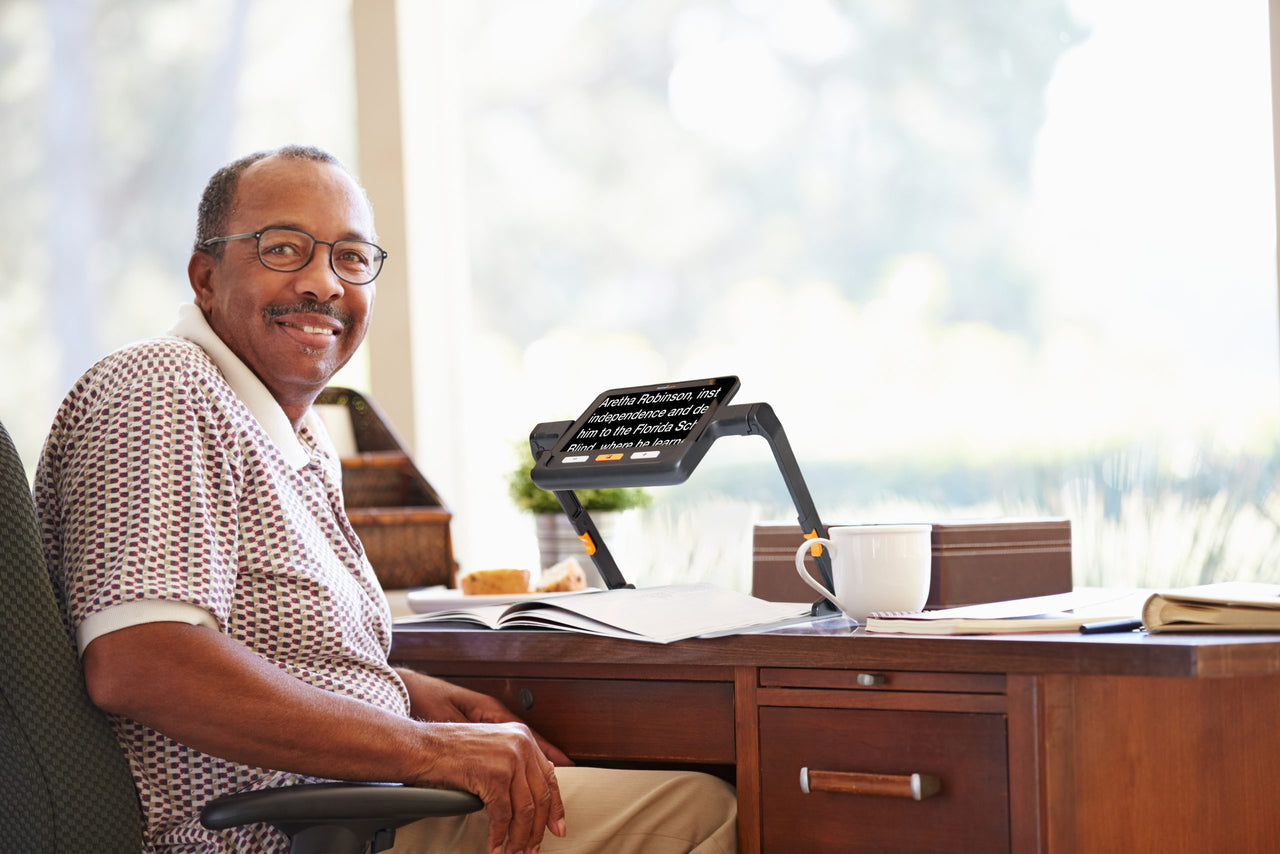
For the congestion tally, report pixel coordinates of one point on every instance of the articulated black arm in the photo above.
(758, 419)
(541, 440)
(752, 419)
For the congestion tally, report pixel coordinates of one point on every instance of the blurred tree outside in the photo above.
(676, 148)
(114, 114)
(977, 257)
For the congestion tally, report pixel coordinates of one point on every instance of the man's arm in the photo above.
(432, 699)
(204, 689)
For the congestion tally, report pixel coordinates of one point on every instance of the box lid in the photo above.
(1001, 534)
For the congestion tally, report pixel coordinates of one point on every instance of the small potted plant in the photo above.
(556, 537)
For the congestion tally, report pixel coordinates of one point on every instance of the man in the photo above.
(226, 616)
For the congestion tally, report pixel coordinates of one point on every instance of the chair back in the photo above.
(65, 785)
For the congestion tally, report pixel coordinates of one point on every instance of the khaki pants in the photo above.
(608, 812)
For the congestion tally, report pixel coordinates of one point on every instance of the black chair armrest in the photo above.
(336, 816)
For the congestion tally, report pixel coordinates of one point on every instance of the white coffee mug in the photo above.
(874, 567)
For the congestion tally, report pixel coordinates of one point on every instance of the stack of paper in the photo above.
(1060, 612)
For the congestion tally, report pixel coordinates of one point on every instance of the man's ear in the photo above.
(200, 273)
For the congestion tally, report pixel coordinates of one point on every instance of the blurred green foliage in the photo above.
(533, 499)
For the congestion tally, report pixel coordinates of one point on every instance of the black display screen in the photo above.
(639, 436)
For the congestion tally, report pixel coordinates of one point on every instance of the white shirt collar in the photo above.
(261, 403)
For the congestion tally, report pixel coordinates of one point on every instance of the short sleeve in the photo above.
(148, 500)
(127, 614)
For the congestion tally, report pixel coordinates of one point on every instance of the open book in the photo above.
(655, 614)
(1231, 606)
(1060, 612)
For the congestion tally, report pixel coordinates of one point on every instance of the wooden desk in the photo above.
(1057, 743)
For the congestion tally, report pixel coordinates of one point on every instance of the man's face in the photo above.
(294, 330)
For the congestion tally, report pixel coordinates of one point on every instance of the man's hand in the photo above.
(506, 767)
(432, 699)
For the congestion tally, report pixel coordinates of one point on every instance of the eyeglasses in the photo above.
(286, 250)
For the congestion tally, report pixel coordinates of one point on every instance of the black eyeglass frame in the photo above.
(380, 254)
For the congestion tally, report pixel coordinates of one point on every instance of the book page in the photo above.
(483, 615)
(1255, 593)
(664, 614)
(655, 614)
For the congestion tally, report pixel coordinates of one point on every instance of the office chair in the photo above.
(65, 785)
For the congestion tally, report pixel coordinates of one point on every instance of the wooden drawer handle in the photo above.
(914, 786)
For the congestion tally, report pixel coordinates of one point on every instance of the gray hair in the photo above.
(220, 194)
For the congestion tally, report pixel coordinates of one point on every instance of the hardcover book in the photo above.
(1231, 606)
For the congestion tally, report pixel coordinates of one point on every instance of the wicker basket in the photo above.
(398, 516)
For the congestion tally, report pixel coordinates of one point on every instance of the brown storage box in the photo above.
(974, 561)
(398, 516)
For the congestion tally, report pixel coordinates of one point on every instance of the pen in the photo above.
(1110, 626)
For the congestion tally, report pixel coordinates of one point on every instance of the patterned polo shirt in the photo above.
(162, 496)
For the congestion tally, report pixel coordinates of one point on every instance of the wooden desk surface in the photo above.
(1131, 654)
(1102, 743)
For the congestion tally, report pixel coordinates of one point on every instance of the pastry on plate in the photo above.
(488, 582)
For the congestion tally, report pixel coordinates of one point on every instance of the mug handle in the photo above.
(804, 572)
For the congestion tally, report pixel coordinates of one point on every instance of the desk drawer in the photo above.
(966, 752)
(621, 719)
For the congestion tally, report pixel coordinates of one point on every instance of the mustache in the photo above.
(271, 312)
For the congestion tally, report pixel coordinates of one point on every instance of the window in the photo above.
(114, 116)
(1011, 259)
(983, 259)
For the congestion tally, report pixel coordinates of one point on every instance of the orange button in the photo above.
(608, 458)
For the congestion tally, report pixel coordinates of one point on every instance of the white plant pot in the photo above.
(557, 540)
